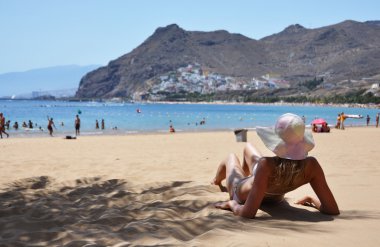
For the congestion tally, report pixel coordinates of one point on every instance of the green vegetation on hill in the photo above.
(357, 97)
(311, 84)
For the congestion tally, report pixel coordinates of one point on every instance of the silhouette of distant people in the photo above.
(342, 118)
(30, 124)
(368, 119)
(325, 128)
(2, 125)
(15, 125)
(202, 122)
(50, 126)
(103, 124)
(96, 124)
(77, 125)
(322, 128)
(377, 120)
(7, 123)
(337, 126)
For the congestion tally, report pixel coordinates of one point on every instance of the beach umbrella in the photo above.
(318, 121)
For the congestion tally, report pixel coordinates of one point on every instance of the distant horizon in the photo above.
(41, 34)
(43, 79)
(54, 66)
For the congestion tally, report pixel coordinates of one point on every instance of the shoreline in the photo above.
(347, 105)
(344, 105)
(110, 133)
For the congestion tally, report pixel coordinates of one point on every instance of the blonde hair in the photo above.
(286, 170)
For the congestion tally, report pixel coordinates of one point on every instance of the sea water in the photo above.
(157, 117)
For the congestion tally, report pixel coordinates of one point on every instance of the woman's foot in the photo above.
(215, 181)
(219, 183)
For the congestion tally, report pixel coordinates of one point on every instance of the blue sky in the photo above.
(44, 33)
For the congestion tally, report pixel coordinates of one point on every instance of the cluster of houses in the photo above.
(195, 79)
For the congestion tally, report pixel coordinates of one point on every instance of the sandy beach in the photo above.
(154, 189)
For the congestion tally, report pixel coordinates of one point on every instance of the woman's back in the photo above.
(286, 175)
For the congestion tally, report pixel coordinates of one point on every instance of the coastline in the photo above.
(121, 119)
(352, 105)
(45, 134)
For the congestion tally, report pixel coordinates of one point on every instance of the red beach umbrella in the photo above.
(318, 121)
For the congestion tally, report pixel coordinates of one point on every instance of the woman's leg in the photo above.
(251, 157)
(231, 170)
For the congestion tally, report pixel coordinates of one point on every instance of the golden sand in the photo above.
(154, 189)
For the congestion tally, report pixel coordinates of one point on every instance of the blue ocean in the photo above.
(124, 118)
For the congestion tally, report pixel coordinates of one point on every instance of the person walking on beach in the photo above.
(337, 126)
(2, 126)
(50, 126)
(377, 120)
(368, 119)
(96, 124)
(342, 118)
(102, 124)
(266, 179)
(77, 125)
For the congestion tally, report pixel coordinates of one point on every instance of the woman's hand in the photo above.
(230, 205)
(309, 202)
(223, 205)
(306, 200)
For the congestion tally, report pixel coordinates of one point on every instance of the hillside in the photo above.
(173, 60)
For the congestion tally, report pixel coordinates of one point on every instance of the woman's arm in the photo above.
(326, 203)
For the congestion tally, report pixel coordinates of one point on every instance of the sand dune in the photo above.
(149, 190)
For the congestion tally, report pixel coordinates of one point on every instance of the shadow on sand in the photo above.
(98, 212)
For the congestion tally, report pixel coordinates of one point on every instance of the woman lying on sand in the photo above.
(261, 179)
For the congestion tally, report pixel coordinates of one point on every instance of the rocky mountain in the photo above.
(348, 51)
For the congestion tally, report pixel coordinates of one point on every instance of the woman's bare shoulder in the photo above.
(265, 160)
(312, 162)
(266, 163)
(312, 167)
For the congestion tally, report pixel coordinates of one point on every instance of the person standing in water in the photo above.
(50, 126)
(102, 124)
(77, 126)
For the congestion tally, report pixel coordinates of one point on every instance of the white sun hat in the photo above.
(288, 139)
